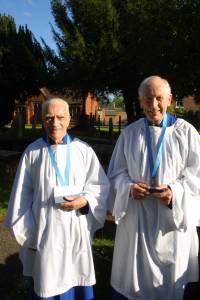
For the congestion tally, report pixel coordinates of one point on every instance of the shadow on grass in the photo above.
(103, 253)
(103, 260)
(13, 285)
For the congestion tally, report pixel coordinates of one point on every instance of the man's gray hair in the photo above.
(46, 103)
(147, 81)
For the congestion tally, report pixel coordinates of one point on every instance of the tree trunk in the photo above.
(83, 120)
(132, 106)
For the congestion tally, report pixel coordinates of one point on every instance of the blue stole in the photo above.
(167, 121)
(66, 141)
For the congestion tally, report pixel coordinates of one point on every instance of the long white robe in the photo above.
(156, 248)
(62, 239)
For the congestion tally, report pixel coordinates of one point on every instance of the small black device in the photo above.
(156, 190)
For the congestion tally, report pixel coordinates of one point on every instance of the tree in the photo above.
(118, 101)
(22, 66)
(7, 39)
(113, 44)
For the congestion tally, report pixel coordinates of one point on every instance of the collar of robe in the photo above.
(155, 125)
(49, 140)
(170, 121)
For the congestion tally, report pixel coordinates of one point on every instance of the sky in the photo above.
(36, 14)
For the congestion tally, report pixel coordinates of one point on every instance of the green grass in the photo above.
(5, 186)
(98, 243)
(106, 129)
(102, 252)
(4, 196)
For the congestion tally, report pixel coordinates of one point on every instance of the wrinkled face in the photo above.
(56, 121)
(155, 100)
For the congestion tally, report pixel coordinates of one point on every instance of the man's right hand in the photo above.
(139, 190)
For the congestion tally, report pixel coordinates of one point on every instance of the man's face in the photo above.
(155, 101)
(56, 121)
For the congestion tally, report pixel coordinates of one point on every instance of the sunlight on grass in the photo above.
(6, 179)
(4, 196)
(102, 253)
(103, 243)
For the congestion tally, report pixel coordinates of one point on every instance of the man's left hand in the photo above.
(165, 196)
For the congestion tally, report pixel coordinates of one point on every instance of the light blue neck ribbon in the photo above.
(62, 181)
(154, 166)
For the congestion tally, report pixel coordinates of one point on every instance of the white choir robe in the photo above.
(62, 239)
(156, 248)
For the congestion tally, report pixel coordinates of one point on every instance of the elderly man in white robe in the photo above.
(155, 185)
(58, 201)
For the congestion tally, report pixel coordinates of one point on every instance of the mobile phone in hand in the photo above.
(156, 190)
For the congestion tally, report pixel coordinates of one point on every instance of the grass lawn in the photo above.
(5, 186)
(4, 195)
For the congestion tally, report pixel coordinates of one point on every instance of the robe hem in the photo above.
(121, 292)
(60, 291)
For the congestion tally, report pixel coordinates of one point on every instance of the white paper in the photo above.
(64, 191)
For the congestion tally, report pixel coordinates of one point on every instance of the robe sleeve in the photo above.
(96, 190)
(120, 180)
(19, 215)
(186, 189)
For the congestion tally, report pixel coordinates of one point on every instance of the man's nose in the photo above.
(55, 120)
(154, 102)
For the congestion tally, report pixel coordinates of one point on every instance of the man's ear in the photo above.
(170, 100)
(140, 103)
(69, 119)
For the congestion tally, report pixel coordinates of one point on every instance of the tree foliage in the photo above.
(113, 44)
(118, 102)
(22, 65)
(83, 51)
